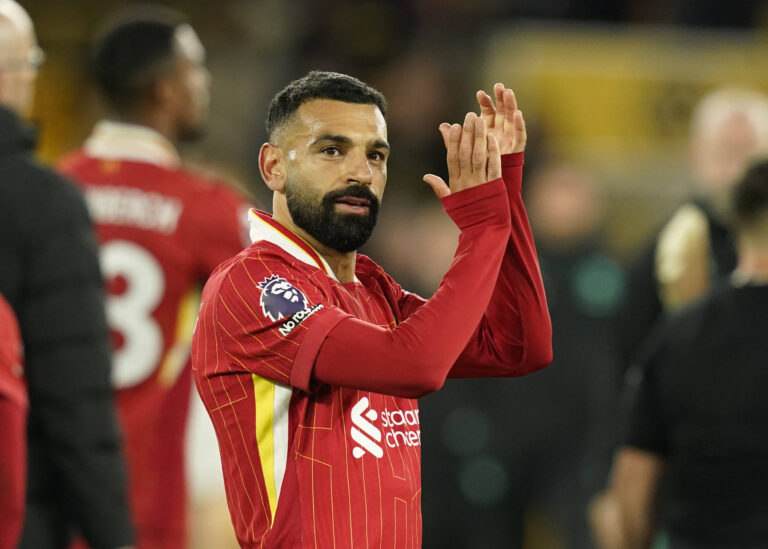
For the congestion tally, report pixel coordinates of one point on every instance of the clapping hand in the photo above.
(504, 120)
(472, 156)
(474, 150)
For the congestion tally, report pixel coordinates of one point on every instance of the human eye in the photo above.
(377, 156)
(331, 150)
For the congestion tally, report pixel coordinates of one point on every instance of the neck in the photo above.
(150, 119)
(753, 262)
(342, 264)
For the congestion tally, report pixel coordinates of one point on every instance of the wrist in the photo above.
(511, 160)
(485, 205)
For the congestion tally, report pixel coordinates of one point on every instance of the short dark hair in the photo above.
(320, 85)
(134, 50)
(749, 198)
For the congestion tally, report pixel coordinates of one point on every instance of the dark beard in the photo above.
(192, 134)
(341, 232)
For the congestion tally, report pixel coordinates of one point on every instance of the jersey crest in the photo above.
(279, 298)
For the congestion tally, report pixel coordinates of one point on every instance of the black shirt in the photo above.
(702, 404)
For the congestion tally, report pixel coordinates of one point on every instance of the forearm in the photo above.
(415, 357)
(634, 483)
(514, 336)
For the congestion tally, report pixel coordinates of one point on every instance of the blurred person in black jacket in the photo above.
(49, 273)
(695, 248)
(699, 410)
(526, 457)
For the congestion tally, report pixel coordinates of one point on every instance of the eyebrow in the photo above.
(344, 140)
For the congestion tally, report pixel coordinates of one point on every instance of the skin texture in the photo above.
(328, 145)
(17, 42)
(177, 104)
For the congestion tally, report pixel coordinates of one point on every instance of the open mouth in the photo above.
(352, 204)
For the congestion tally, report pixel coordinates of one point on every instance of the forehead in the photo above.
(16, 30)
(327, 116)
(188, 44)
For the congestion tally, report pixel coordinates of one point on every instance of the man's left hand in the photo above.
(504, 120)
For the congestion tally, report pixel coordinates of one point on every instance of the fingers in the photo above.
(445, 130)
(498, 92)
(438, 185)
(494, 158)
(510, 102)
(520, 134)
(510, 108)
(487, 110)
(480, 147)
(467, 143)
(452, 152)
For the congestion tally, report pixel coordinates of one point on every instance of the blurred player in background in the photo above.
(49, 274)
(162, 230)
(13, 418)
(700, 410)
(696, 247)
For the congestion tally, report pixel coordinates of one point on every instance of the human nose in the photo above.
(360, 170)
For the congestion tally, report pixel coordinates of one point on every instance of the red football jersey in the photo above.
(162, 230)
(13, 443)
(11, 381)
(370, 492)
(321, 464)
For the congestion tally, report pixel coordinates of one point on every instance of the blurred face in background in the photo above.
(729, 131)
(20, 58)
(190, 83)
(721, 154)
(565, 205)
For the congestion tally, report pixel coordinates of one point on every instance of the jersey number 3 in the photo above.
(130, 311)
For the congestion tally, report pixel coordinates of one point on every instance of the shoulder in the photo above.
(204, 185)
(71, 161)
(267, 275)
(682, 330)
(38, 186)
(262, 260)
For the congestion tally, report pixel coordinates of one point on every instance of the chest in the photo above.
(364, 301)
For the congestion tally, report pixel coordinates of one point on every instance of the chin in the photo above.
(192, 134)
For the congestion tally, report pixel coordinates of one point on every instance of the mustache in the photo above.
(353, 191)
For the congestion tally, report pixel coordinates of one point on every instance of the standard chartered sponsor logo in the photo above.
(395, 423)
(361, 424)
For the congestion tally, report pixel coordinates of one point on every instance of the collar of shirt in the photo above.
(121, 141)
(264, 227)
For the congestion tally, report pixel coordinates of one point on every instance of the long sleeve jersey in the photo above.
(311, 383)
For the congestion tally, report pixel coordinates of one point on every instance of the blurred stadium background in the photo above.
(607, 88)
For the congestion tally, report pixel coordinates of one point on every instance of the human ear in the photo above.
(271, 167)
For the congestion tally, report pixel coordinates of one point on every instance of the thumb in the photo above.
(438, 185)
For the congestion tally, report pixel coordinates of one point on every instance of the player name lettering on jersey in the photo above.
(395, 423)
(133, 207)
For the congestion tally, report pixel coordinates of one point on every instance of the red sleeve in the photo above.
(514, 336)
(11, 384)
(270, 314)
(224, 233)
(414, 358)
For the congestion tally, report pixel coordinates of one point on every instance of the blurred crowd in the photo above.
(641, 117)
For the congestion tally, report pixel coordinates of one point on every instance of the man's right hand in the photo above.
(472, 155)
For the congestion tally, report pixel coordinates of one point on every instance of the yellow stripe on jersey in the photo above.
(264, 393)
(178, 354)
(272, 402)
